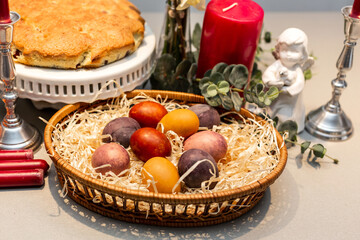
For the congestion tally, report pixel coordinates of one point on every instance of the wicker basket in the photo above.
(171, 210)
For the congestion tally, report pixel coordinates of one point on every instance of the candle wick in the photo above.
(230, 7)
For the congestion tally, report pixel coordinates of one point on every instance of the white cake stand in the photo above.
(48, 87)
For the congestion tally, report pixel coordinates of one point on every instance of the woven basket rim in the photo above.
(61, 164)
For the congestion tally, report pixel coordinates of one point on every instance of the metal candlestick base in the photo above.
(14, 132)
(329, 122)
(19, 137)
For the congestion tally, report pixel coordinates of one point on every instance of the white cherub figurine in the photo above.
(286, 73)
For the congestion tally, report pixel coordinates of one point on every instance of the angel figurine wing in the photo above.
(308, 63)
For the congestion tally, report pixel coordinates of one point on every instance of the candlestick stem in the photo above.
(8, 96)
(330, 122)
(14, 132)
(343, 64)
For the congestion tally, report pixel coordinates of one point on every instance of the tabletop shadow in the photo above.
(271, 214)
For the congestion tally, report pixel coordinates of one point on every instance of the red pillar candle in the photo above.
(231, 31)
(4, 12)
(355, 11)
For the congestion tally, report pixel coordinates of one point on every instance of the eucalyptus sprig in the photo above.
(258, 94)
(221, 87)
(317, 149)
(290, 127)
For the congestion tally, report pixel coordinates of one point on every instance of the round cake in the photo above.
(71, 34)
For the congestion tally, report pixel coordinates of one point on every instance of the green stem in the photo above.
(180, 32)
(166, 46)
(172, 27)
(237, 90)
(181, 27)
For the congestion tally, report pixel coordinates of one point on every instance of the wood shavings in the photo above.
(252, 147)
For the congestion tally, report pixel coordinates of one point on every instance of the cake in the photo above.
(71, 34)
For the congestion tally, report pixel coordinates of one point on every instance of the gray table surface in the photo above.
(310, 200)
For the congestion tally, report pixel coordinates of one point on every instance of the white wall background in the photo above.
(267, 5)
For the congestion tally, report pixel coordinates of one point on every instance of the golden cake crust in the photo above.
(75, 34)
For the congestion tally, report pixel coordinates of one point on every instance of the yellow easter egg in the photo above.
(162, 173)
(183, 122)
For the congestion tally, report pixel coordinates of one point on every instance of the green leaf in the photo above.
(308, 74)
(253, 82)
(203, 89)
(163, 72)
(180, 84)
(254, 95)
(179, 81)
(256, 75)
(276, 121)
(255, 66)
(319, 150)
(223, 87)
(203, 81)
(272, 93)
(196, 36)
(237, 100)
(213, 101)
(196, 55)
(258, 95)
(305, 146)
(227, 71)
(183, 67)
(194, 87)
(205, 86)
(259, 102)
(165, 66)
(248, 96)
(261, 97)
(212, 90)
(219, 68)
(259, 88)
(290, 127)
(267, 101)
(207, 73)
(191, 75)
(239, 76)
(226, 102)
(267, 37)
(216, 77)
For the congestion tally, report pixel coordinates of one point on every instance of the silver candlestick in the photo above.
(329, 122)
(14, 132)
